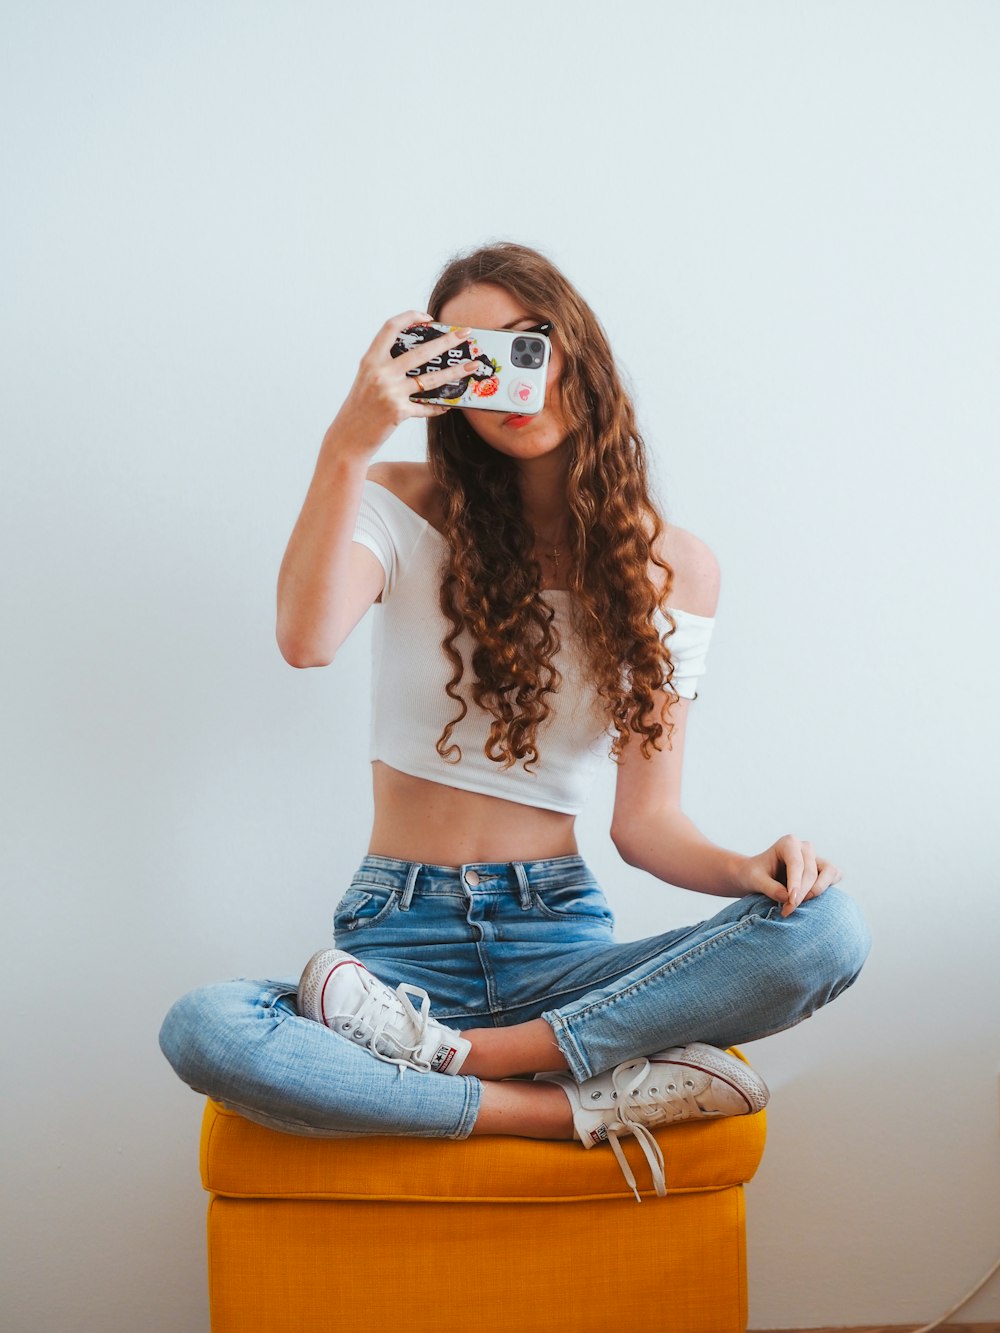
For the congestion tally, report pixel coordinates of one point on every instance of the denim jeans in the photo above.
(496, 944)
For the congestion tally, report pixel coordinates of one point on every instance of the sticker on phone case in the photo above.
(523, 392)
(483, 382)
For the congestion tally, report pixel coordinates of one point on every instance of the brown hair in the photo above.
(491, 585)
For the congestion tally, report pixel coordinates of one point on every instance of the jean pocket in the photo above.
(364, 907)
(574, 902)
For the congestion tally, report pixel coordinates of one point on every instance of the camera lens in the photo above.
(536, 346)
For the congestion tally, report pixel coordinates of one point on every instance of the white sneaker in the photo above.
(680, 1083)
(338, 991)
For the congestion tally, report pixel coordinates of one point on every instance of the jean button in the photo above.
(472, 877)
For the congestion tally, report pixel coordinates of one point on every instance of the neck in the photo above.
(543, 494)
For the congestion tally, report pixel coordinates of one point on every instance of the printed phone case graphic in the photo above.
(524, 389)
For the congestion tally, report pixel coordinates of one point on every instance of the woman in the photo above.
(537, 618)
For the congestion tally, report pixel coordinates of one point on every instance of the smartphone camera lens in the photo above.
(527, 353)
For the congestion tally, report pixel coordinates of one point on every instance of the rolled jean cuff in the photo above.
(470, 1111)
(567, 1043)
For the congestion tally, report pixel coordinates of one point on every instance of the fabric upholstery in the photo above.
(420, 1235)
(243, 1160)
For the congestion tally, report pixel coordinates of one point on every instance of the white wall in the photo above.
(786, 214)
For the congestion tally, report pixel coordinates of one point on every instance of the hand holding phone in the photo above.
(379, 399)
(509, 374)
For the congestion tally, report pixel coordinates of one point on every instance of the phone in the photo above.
(511, 377)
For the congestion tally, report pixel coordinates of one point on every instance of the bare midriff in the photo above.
(420, 820)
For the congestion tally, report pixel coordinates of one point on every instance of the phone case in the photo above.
(513, 365)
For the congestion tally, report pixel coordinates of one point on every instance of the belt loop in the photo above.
(523, 886)
(411, 879)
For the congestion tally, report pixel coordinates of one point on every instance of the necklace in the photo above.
(554, 556)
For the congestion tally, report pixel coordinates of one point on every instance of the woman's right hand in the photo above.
(379, 398)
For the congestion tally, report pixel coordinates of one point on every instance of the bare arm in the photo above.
(323, 587)
(669, 846)
(651, 831)
(649, 828)
(327, 582)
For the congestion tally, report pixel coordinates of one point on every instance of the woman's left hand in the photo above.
(789, 872)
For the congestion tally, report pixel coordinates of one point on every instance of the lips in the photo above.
(516, 419)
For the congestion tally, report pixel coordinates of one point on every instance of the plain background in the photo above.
(786, 217)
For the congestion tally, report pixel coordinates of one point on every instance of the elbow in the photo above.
(623, 845)
(637, 837)
(302, 663)
(300, 646)
(300, 655)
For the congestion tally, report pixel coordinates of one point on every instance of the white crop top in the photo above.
(410, 670)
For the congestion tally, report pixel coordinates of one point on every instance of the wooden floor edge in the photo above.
(885, 1328)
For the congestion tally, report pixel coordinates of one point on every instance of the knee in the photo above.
(201, 1029)
(834, 940)
(182, 1032)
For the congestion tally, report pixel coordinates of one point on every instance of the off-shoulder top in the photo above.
(410, 670)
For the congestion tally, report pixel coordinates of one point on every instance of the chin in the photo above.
(529, 439)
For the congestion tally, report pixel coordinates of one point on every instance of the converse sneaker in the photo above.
(681, 1083)
(338, 991)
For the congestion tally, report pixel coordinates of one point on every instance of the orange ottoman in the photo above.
(414, 1235)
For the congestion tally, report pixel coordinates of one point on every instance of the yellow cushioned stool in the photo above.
(413, 1235)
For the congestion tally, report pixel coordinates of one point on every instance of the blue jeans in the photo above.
(501, 943)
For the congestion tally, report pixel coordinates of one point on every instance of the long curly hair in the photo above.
(491, 584)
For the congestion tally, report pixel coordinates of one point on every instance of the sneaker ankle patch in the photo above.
(443, 1058)
(599, 1134)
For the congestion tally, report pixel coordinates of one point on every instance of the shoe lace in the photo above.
(634, 1111)
(388, 1014)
